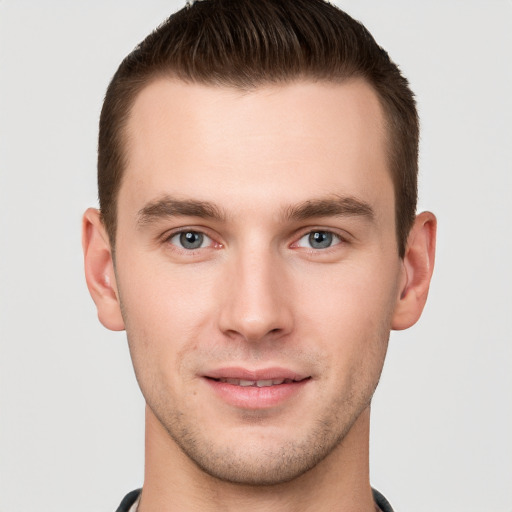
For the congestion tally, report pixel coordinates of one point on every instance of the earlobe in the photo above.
(99, 270)
(418, 265)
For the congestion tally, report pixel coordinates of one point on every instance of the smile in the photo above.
(260, 389)
(256, 383)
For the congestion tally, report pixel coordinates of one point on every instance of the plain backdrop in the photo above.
(71, 415)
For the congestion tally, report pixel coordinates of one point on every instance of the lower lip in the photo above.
(253, 397)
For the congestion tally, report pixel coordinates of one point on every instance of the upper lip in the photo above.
(274, 373)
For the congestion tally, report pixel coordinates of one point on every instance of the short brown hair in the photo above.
(248, 43)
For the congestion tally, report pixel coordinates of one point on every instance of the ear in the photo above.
(418, 264)
(99, 270)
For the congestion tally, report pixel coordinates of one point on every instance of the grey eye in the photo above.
(320, 239)
(190, 240)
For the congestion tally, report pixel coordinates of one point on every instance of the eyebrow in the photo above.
(170, 207)
(338, 206)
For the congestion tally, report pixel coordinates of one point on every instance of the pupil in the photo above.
(191, 240)
(320, 239)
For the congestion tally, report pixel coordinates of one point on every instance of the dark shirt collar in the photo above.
(131, 498)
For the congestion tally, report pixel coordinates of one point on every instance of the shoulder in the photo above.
(381, 502)
(128, 501)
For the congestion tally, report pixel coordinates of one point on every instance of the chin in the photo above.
(260, 460)
(257, 471)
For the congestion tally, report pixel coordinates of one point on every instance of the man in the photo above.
(257, 239)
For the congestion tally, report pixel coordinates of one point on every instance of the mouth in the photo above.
(260, 389)
(264, 383)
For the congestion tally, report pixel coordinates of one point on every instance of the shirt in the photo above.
(131, 501)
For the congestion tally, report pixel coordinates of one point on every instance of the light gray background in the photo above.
(71, 415)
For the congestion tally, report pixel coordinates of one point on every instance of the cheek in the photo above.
(349, 294)
(165, 313)
(163, 296)
(348, 311)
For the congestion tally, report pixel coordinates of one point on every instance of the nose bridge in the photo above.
(256, 304)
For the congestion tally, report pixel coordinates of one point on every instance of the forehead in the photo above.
(276, 143)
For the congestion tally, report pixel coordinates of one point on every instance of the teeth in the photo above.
(264, 383)
(257, 383)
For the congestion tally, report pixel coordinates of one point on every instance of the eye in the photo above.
(319, 240)
(190, 240)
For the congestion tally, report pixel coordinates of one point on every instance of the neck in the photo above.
(340, 482)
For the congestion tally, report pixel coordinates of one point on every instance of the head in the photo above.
(257, 175)
(245, 45)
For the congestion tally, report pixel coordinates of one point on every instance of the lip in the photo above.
(273, 373)
(254, 397)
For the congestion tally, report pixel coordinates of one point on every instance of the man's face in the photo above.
(257, 269)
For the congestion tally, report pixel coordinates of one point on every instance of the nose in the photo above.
(256, 302)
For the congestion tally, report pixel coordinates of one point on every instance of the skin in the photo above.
(256, 173)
